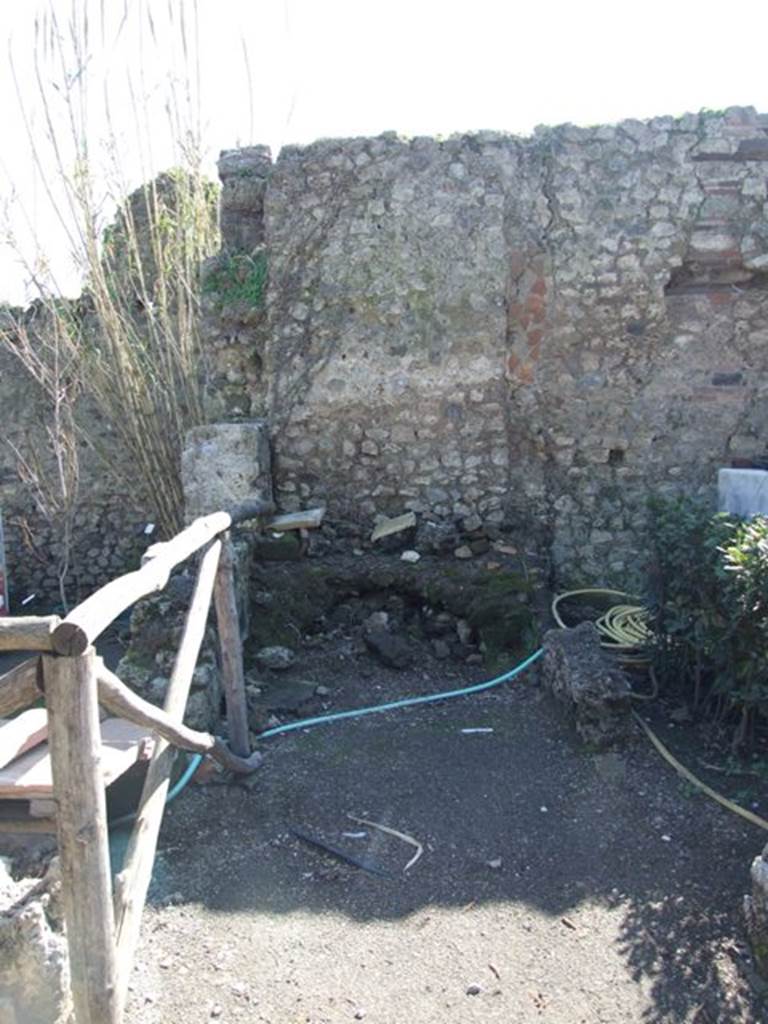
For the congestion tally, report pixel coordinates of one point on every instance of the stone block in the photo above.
(756, 912)
(743, 492)
(580, 674)
(224, 464)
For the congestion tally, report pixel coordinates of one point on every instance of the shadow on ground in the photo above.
(617, 896)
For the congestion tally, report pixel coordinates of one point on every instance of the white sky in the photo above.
(322, 68)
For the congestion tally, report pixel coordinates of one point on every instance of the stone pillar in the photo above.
(244, 174)
(224, 464)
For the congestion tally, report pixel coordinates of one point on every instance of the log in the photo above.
(20, 687)
(86, 622)
(81, 820)
(28, 633)
(116, 697)
(133, 881)
(231, 646)
(255, 508)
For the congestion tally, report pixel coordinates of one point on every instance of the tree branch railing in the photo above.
(102, 927)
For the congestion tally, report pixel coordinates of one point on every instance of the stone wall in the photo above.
(532, 334)
(109, 523)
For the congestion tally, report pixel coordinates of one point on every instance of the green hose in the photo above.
(308, 723)
(623, 625)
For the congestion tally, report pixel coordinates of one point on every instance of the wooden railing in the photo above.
(102, 926)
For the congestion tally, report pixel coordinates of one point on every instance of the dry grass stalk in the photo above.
(135, 342)
(52, 477)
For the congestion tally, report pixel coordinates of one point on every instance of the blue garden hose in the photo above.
(406, 702)
(308, 723)
(192, 765)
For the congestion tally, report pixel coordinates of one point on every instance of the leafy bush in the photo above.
(711, 586)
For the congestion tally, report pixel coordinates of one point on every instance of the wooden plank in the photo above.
(230, 643)
(13, 819)
(123, 744)
(20, 734)
(133, 881)
(309, 520)
(81, 827)
(42, 809)
(389, 526)
(28, 633)
(20, 687)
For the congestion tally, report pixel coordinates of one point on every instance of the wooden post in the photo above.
(231, 647)
(133, 881)
(74, 740)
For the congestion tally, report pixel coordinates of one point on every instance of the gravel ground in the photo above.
(556, 884)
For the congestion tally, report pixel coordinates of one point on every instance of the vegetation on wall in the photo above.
(711, 582)
(236, 280)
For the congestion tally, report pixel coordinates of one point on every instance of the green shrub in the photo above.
(710, 581)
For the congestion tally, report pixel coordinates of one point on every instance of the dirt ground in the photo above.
(556, 884)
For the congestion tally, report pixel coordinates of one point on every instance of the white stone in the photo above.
(224, 464)
(743, 492)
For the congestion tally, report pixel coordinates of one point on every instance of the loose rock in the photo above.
(579, 673)
(464, 632)
(390, 649)
(275, 658)
(378, 621)
(441, 650)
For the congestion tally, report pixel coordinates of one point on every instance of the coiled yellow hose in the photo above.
(624, 629)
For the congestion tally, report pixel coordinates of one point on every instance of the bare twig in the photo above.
(133, 338)
(393, 832)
